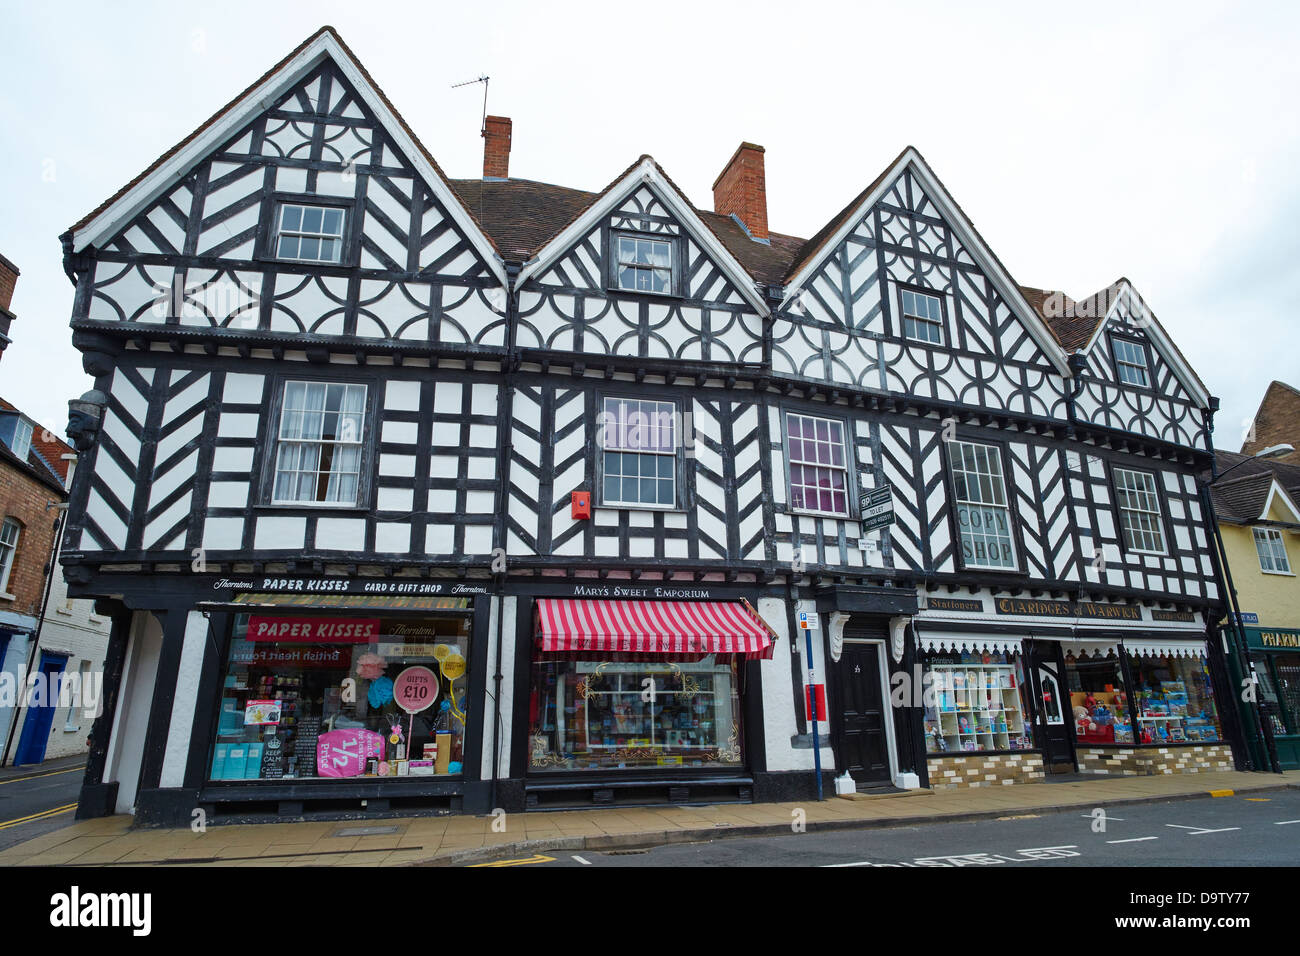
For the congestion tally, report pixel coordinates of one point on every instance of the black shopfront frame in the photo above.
(522, 781)
(464, 790)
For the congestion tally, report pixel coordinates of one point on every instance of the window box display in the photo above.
(333, 697)
(973, 703)
(622, 713)
(1173, 700)
(1098, 699)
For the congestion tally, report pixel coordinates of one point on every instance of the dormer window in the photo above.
(1131, 364)
(922, 317)
(9, 532)
(310, 233)
(644, 263)
(22, 440)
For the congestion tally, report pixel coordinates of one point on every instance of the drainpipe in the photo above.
(1245, 665)
(503, 470)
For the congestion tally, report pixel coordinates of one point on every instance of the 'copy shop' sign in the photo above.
(324, 630)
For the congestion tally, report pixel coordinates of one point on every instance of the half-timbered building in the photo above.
(410, 492)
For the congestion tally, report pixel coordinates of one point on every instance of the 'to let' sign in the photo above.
(415, 689)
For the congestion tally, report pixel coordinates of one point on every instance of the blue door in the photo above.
(36, 728)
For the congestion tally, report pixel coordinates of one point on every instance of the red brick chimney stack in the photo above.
(8, 279)
(496, 147)
(741, 188)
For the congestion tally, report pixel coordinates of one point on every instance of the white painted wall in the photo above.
(126, 745)
(778, 698)
(185, 700)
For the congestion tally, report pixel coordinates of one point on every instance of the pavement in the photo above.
(466, 840)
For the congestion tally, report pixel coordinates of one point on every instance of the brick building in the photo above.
(8, 279)
(40, 633)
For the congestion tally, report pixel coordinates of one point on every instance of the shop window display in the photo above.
(620, 713)
(1098, 699)
(340, 697)
(973, 702)
(1173, 700)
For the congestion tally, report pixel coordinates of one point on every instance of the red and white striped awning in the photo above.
(652, 627)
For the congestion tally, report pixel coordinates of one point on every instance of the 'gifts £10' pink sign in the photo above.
(314, 630)
(343, 753)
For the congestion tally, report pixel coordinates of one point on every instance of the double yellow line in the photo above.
(42, 815)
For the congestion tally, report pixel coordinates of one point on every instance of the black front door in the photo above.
(1051, 704)
(862, 744)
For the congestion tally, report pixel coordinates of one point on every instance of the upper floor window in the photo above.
(922, 317)
(644, 263)
(310, 233)
(818, 464)
(22, 440)
(318, 452)
(1272, 551)
(1131, 362)
(638, 467)
(9, 532)
(1139, 511)
(983, 513)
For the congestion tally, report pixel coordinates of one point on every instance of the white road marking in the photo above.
(1109, 818)
(1133, 840)
(1282, 823)
(1196, 831)
(582, 861)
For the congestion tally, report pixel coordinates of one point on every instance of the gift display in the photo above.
(1174, 702)
(346, 709)
(976, 705)
(1098, 700)
(591, 715)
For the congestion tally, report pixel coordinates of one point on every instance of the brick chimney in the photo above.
(8, 279)
(741, 188)
(496, 147)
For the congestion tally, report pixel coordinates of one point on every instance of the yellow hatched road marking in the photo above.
(524, 862)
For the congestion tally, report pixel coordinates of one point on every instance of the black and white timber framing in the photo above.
(485, 376)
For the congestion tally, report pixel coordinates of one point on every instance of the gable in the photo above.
(909, 213)
(1169, 408)
(843, 322)
(200, 254)
(570, 299)
(294, 71)
(1280, 506)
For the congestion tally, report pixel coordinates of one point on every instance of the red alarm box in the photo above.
(821, 711)
(580, 505)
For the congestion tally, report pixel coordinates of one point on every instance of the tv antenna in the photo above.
(484, 80)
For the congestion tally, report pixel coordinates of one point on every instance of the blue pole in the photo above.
(815, 713)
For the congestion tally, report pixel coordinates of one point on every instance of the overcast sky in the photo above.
(1153, 141)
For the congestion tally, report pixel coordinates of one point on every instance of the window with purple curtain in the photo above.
(819, 474)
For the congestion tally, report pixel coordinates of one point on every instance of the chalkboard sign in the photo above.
(307, 730)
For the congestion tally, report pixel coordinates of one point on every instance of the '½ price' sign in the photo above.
(415, 689)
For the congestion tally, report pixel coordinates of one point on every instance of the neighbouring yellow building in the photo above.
(1258, 507)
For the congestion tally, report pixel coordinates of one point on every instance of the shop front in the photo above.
(343, 698)
(1275, 654)
(641, 701)
(312, 696)
(1013, 702)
